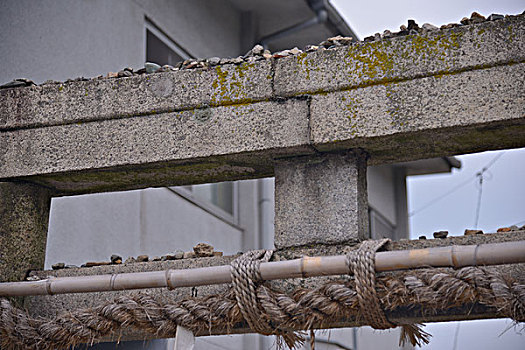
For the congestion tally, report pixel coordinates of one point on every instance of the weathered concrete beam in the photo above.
(49, 306)
(195, 146)
(437, 52)
(24, 216)
(447, 51)
(423, 118)
(59, 104)
(419, 96)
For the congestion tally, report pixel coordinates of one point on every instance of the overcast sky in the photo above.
(503, 189)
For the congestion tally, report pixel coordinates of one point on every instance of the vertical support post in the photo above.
(24, 217)
(321, 199)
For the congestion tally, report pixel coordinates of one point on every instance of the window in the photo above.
(219, 194)
(160, 48)
(380, 227)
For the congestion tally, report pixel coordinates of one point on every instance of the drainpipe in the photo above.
(266, 212)
(321, 16)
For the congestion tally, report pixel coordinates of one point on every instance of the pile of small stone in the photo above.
(444, 234)
(473, 232)
(201, 250)
(511, 228)
(258, 52)
(412, 28)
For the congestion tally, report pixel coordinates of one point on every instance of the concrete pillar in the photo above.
(24, 216)
(321, 199)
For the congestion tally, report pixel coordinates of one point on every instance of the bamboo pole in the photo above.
(452, 256)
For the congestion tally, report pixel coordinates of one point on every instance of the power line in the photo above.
(437, 199)
(457, 187)
(519, 223)
(479, 175)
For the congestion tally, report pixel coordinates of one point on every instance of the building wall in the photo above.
(152, 221)
(204, 28)
(63, 39)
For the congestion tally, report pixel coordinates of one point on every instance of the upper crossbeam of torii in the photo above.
(439, 93)
(313, 120)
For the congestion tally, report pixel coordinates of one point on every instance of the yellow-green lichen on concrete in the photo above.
(229, 84)
(305, 63)
(369, 61)
(377, 61)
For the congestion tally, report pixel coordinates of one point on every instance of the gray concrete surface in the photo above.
(475, 104)
(415, 119)
(433, 53)
(427, 117)
(24, 215)
(49, 34)
(84, 101)
(276, 128)
(321, 199)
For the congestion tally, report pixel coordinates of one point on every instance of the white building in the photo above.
(62, 39)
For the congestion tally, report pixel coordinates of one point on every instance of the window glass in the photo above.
(380, 227)
(158, 52)
(219, 194)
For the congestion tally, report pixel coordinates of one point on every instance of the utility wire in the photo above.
(437, 199)
(457, 187)
(519, 223)
(478, 205)
(479, 175)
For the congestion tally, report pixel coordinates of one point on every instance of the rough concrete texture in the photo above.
(422, 118)
(297, 252)
(401, 58)
(320, 199)
(274, 127)
(57, 104)
(24, 215)
(49, 306)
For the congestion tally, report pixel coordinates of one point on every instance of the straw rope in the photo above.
(246, 276)
(361, 263)
(288, 314)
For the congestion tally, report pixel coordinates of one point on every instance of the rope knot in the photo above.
(361, 263)
(246, 276)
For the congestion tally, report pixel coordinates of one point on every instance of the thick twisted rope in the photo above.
(246, 276)
(430, 289)
(361, 263)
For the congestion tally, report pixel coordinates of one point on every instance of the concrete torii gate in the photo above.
(314, 121)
